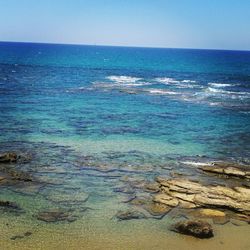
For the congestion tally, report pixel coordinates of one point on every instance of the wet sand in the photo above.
(94, 233)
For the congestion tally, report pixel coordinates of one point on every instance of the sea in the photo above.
(100, 121)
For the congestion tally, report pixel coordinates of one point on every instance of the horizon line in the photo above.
(123, 46)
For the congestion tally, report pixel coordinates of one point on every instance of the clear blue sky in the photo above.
(219, 24)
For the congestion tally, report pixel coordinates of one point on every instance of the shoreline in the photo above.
(98, 227)
(227, 236)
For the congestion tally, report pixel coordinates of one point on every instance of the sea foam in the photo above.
(219, 85)
(123, 79)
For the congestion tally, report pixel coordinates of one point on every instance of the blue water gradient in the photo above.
(100, 123)
(176, 101)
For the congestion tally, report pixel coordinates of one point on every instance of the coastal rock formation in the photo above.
(199, 229)
(55, 216)
(157, 209)
(19, 175)
(8, 157)
(129, 215)
(228, 169)
(12, 157)
(9, 204)
(17, 237)
(68, 196)
(189, 194)
(12, 172)
(10, 207)
(212, 213)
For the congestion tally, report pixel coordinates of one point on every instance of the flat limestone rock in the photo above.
(67, 196)
(175, 191)
(197, 228)
(152, 187)
(29, 188)
(55, 215)
(228, 169)
(221, 220)
(157, 209)
(166, 199)
(130, 214)
(137, 201)
(211, 213)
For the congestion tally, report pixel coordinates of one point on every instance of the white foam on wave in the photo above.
(161, 92)
(188, 81)
(193, 163)
(136, 84)
(220, 91)
(166, 80)
(220, 85)
(214, 90)
(123, 79)
(188, 86)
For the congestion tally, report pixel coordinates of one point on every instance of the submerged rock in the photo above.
(138, 201)
(152, 187)
(129, 215)
(218, 217)
(238, 222)
(212, 213)
(221, 220)
(228, 169)
(157, 209)
(26, 234)
(67, 196)
(8, 157)
(9, 204)
(197, 228)
(10, 207)
(55, 216)
(2, 178)
(176, 191)
(20, 175)
(12, 157)
(17, 237)
(13, 173)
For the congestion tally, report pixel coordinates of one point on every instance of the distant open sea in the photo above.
(98, 114)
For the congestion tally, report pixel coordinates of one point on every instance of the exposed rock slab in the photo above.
(198, 228)
(228, 169)
(212, 213)
(175, 192)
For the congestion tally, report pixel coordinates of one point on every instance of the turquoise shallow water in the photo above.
(98, 121)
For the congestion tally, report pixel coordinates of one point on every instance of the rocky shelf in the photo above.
(185, 193)
(228, 169)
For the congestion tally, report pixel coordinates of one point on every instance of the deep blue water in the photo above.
(167, 101)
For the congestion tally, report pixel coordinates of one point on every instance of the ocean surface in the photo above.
(96, 119)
